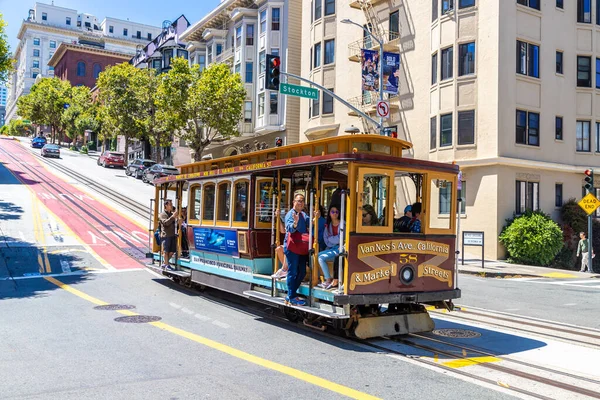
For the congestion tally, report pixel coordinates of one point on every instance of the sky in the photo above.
(151, 12)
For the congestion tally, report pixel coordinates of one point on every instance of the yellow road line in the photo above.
(294, 373)
(470, 361)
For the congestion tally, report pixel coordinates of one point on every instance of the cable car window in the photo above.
(264, 201)
(208, 210)
(241, 202)
(374, 200)
(407, 194)
(195, 205)
(440, 203)
(223, 201)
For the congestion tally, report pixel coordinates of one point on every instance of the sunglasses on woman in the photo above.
(334, 212)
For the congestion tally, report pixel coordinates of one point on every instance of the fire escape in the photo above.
(367, 101)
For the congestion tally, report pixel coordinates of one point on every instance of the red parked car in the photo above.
(112, 159)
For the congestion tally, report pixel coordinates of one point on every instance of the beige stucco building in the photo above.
(502, 88)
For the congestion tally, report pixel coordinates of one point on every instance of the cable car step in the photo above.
(266, 298)
(179, 273)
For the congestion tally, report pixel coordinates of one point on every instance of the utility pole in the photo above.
(589, 186)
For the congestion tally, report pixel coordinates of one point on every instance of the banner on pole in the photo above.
(391, 73)
(370, 70)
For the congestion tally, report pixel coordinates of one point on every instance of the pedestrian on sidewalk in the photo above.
(583, 248)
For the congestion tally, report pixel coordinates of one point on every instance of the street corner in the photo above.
(497, 275)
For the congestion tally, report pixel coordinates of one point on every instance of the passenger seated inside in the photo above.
(404, 223)
(331, 237)
(415, 226)
(369, 216)
(240, 212)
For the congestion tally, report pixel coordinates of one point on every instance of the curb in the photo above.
(500, 275)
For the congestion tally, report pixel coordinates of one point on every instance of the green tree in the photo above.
(80, 101)
(214, 106)
(45, 104)
(6, 63)
(17, 127)
(170, 102)
(122, 112)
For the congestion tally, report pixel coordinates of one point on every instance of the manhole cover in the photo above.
(113, 307)
(457, 333)
(138, 319)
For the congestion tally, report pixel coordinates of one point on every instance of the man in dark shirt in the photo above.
(168, 222)
(403, 224)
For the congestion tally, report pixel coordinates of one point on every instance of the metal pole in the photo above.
(311, 250)
(381, 82)
(273, 217)
(590, 250)
(457, 245)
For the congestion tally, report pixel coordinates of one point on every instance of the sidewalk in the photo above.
(501, 269)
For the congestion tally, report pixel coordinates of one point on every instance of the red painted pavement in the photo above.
(120, 242)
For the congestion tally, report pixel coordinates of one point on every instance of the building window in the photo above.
(329, 7)
(329, 52)
(559, 4)
(445, 200)
(157, 64)
(36, 41)
(597, 137)
(182, 53)
(530, 3)
(248, 111)
(310, 60)
(97, 69)
(584, 71)
(249, 72)
(219, 48)
(583, 136)
(68, 21)
(36, 53)
(433, 133)
(527, 128)
(52, 44)
(447, 6)
(318, 5)
(249, 35)
(263, 21)
(466, 56)
(275, 19)
(466, 127)
(124, 31)
(597, 23)
(275, 52)
(466, 3)
(238, 36)
(434, 64)
(394, 25)
(558, 195)
(273, 102)
(261, 104)
(528, 59)
(36, 64)
(434, 10)
(87, 25)
(44, 17)
(559, 62)
(598, 72)
(80, 68)
(558, 128)
(315, 107)
(446, 130)
(149, 36)
(327, 103)
(584, 11)
(209, 50)
(447, 57)
(238, 68)
(111, 29)
(50, 69)
(261, 62)
(527, 196)
(138, 34)
(317, 55)
(34, 75)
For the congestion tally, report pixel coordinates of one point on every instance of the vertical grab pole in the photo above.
(342, 247)
(151, 232)
(457, 241)
(311, 249)
(273, 227)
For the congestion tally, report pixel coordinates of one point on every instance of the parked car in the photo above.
(158, 171)
(112, 159)
(38, 142)
(137, 167)
(51, 150)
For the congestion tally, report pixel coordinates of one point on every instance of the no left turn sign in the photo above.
(383, 109)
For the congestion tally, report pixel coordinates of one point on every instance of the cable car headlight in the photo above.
(407, 274)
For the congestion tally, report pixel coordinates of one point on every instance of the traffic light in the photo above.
(278, 142)
(589, 179)
(272, 72)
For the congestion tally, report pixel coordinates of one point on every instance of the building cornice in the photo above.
(522, 163)
(80, 48)
(215, 18)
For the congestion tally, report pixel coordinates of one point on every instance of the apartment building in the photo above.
(241, 33)
(47, 26)
(506, 89)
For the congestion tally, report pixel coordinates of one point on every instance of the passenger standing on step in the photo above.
(331, 236)
(168, 219)
(296, 248)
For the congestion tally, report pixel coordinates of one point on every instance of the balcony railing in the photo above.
(225, 56)
(390, 41)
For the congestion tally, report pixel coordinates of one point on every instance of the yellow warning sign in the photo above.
(589, 203)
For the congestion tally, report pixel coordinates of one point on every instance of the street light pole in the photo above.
(380, 41)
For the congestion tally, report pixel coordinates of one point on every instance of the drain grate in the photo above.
(457, 333)
(138, 319)
(114, 307)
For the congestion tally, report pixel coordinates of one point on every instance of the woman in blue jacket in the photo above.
(331, 236)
